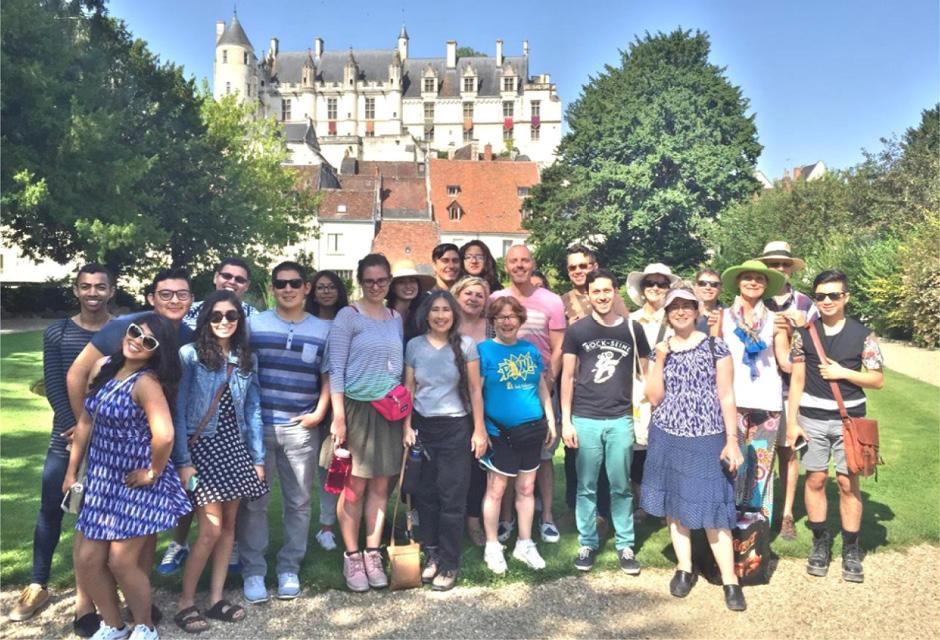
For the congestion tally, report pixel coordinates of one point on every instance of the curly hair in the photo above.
(207, 345)
(454, 338)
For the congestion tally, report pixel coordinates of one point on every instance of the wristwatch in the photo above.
(151, 476)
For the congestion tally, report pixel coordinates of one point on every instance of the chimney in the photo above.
(499, 53)
(488, 151)
(797, 172)
(317, 47)
(219, 29)
(451, 54)
(525, 48)
(273, 47)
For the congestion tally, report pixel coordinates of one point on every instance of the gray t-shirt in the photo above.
(436, 376)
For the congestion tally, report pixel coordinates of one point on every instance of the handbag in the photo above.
(404, 561)
(395, 405)
(642, 408)
(193, 439)
(524, 436)
(859, 435)
(751, 540)
(75, 497)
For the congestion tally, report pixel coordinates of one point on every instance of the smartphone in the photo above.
(192, 483)
(725, 465)
(800, 444)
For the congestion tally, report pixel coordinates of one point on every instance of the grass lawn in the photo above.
(901, 509)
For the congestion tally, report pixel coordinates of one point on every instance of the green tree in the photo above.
(468, 52)
(657, 148)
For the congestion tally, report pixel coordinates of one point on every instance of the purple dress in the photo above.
(120, 443)
(683, 478)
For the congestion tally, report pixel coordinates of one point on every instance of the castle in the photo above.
(382, 104)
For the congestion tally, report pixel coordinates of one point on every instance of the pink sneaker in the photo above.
(354, 570)
(375, 572)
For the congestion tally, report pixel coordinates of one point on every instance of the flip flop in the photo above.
(226, 612)
(191, 621)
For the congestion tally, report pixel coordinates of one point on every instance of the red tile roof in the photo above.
(412, 239)
(389, 168)
(360, 204)
(407, 194)
(488, 194)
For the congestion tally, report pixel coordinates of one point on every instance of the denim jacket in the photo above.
(197, 389)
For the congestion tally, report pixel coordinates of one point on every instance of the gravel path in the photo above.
(899, 599)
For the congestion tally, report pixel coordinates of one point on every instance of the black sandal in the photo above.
(226, 612)
(191, 621)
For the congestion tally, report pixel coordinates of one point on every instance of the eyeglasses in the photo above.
(581, 266)
(380, 283)
(835, 295)
(474, 257)
(505, 318)
(231, 276)
(656, 284)
(709, 284)
(293, 283)
(181, 294)
(325, 288)
(230, 316)
(148, 342)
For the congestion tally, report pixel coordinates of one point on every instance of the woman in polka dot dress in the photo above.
(218, 450)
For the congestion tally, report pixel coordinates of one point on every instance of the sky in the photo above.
(824, 79)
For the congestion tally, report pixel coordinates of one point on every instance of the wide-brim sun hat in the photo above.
(406, 268)
(635, 280)
(780, 250)
(679, 294)
(775, 279)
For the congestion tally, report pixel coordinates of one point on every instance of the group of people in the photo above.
(673, 411)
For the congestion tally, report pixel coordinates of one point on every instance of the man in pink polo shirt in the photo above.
(545, 328)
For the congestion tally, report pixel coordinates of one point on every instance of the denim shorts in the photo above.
(823, 437)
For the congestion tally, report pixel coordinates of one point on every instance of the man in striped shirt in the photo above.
(61, 344)
(295, 397)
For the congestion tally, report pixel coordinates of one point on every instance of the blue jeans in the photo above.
(49, 520)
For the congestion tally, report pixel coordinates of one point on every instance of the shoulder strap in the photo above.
(636, 361)
(212, 407)
(662, 332)
(711, 347)
(401, 479)
(721, 322)
(836, 392)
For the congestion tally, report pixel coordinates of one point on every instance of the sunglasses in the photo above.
(148, 342)
(656, 284)
(230, 316)
(583, 266)
(181, 294)
(231, 276)
(294, 283)
(709, 284)
(777, 264)
(835, 295)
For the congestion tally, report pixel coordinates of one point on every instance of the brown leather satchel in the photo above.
(193, 439)
(859, 435)
(404, 561)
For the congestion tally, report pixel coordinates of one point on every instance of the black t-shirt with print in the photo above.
(604, 380)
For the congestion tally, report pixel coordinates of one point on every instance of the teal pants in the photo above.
(610, 442)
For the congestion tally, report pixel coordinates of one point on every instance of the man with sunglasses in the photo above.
(793, 309)
(295, 397)
(171, 296)
(854, 362)
(232, 274)
(581, 261)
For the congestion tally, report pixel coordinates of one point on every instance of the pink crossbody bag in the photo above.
(396, 404)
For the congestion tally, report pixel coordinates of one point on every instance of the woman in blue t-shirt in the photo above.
(519, 420)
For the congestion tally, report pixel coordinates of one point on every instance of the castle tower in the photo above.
(403, 44)
(235, 69)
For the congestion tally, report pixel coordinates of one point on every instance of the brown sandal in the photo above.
(191, 621)
(226, 612)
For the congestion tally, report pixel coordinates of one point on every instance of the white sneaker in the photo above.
(143, 632)
(326, 540)
(105, 632)
(526, 552)
(493, 557)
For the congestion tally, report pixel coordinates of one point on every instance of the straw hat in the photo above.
(635, 280)
(780, 250)
(775, 279)
(406, 268)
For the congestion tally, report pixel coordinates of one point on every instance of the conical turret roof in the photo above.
(234, 34)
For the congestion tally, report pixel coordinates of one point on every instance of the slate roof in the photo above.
(298, 132)
(234, 34)
(488, 194)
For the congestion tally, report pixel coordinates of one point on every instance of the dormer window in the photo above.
(340, 208)
(454, 212)
(430, 85)
(522, 192)
(453, 190)
(509, 83)
(469, 85)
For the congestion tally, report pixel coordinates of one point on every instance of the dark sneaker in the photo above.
(734, 597)
(584, 561)
(87, 625)
(628, 562)
(787, 529)
(681, 583)
(820, 556)
(852, 563)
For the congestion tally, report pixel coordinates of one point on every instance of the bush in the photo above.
(920, 284)
(51, 299)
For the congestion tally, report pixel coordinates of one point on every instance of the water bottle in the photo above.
(340, 467)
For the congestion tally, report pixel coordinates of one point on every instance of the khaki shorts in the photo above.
(822, 438)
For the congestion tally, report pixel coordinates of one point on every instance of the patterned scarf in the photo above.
(749, 334)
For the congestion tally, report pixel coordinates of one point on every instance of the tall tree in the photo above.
(657, 148)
